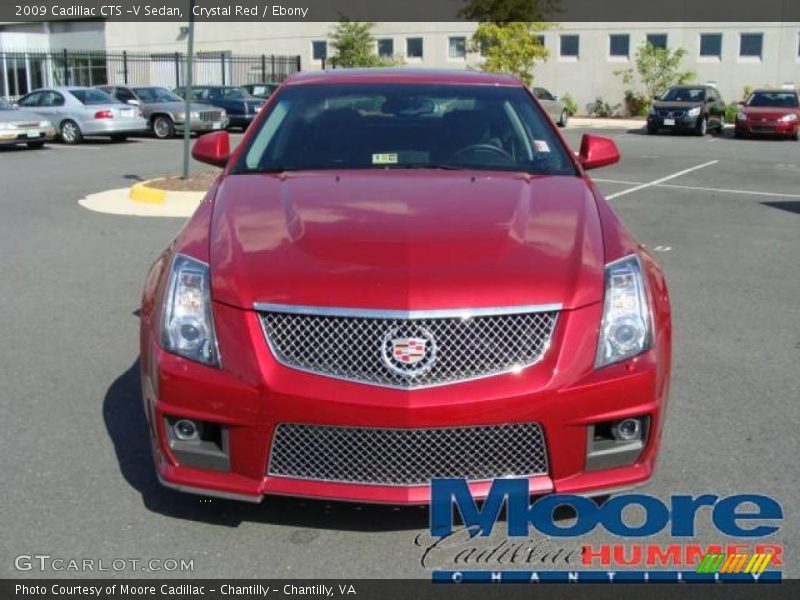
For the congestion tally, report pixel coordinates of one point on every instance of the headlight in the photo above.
(740, 116)
(188, 325)
(790, 117)
(693, 112)
(194, 114)
(44, 124)
(653, 110)
(180, 116)
(626, 329)
(5, 126)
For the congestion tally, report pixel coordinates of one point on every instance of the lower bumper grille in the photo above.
(379, 456)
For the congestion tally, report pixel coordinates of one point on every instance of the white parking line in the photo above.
(64, 147)
(695, 188)
(662, 180)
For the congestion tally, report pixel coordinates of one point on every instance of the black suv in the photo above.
(688, 108)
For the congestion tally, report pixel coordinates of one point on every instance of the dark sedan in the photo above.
(688, 108)
(241, 107)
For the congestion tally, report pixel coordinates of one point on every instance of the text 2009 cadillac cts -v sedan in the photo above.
(402, 275)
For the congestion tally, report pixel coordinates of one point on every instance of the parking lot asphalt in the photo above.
(721, 215)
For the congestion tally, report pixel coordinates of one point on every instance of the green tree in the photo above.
(510, 47)
(658, 69)
(354, 46)
(507, 11)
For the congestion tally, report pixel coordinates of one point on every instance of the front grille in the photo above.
(671, 113)
(406, 456)
(210, 115)
(410, 352)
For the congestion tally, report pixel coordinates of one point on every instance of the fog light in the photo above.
(186, 430)
(627, 430)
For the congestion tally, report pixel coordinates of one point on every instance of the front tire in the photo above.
(702, 127)
(163, 128)
(35, 145)
(562, 121)
(71, 133)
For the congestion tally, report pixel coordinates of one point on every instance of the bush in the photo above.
(637, 105)
(730, 113)
(600, 109)
(570, 104)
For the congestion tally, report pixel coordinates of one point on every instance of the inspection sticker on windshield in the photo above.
(384, 159)
(541, 146)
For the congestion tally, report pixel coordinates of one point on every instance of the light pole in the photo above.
(187, 81)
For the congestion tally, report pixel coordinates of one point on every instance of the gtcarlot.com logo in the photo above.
(48, 562)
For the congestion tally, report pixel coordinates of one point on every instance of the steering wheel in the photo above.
(482, 148)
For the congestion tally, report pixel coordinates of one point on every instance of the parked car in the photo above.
(688, 108)
(372, 298)
(261, 90)
(166, 112)
(241, 107)
(769, 112)
(78, 112)
(553, 105)
(18, 127)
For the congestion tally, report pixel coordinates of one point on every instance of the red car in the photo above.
(402, 275)
(769, 112)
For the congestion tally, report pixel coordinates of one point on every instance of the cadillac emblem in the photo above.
(408, 350)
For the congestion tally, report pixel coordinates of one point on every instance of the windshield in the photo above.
(776, 99)
(262, 90)
(384, 126)
(156, 94)
(684, 95)
(92, 97)
(5, 105)
(233, 93)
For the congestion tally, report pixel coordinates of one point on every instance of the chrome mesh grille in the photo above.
(362, 348)
(211, 115)
(406, 456)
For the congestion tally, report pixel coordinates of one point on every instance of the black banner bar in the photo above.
(385, 10)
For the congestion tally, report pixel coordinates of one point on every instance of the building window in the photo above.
(319, 50)
(619, 44)
(457, 47)
(711, 44)
(570, 45)
(414, 47)
(751, 45)
(657, 40)
(539, 39)
(386, 47)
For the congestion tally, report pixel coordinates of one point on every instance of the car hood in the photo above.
(675, 104)
(16, 116)
(405, 240)
(769, 112)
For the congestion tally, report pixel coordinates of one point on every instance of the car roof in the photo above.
(774, 91)
(401, 75)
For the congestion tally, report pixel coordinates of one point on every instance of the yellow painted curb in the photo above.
(141, 192)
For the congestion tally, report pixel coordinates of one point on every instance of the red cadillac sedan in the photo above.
(769, 112)
(402, 275)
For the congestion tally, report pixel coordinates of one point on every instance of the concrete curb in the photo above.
(143, 203)
(591, 123)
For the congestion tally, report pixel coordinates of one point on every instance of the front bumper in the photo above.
(24, 136)
(241, 120)
(767, 128)
(253, 394)
(200, 126)
(682, 123)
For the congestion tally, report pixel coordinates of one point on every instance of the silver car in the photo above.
(553, 105)
(17, 127)
(77, 112)
(166, 112)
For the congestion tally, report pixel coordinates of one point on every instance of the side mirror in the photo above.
(133, 102)
(597, 151)
(213, 149)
